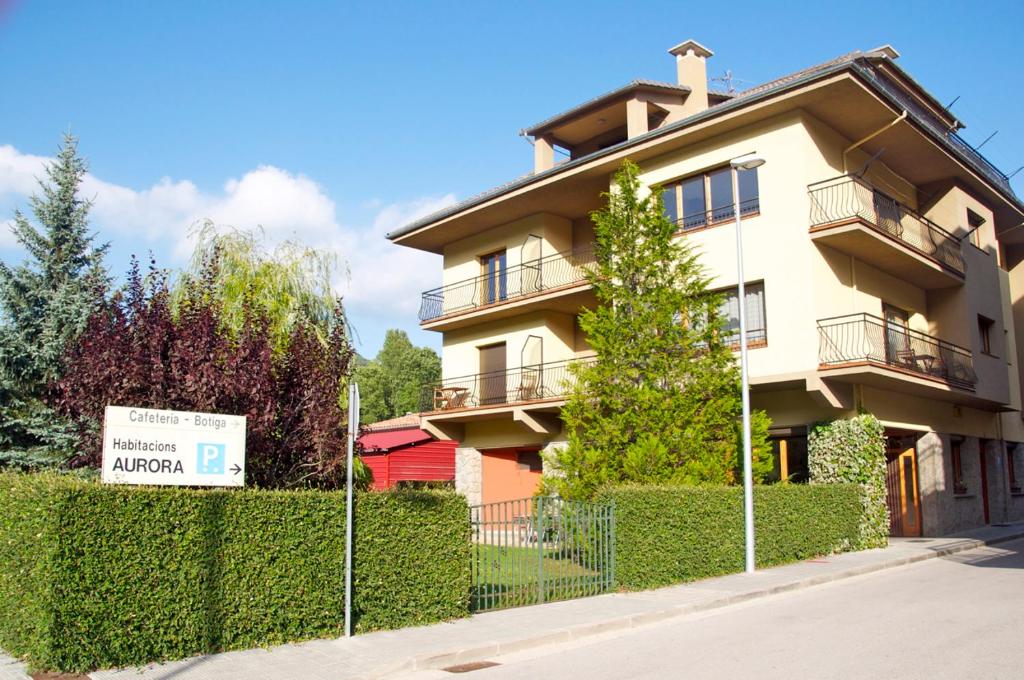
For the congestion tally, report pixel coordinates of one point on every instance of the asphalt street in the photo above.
(956, 617)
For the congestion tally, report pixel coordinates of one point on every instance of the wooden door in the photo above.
(902, 491)
(493, 389)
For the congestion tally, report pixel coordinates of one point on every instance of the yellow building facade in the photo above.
(883, 268)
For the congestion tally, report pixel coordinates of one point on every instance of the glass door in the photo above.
(897, 337)
(495, 288)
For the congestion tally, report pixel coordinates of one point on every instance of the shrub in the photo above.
(94, 576)
(670, 534)
(138, 351)
(853, 451)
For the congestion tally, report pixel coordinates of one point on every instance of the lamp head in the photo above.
(748, 162)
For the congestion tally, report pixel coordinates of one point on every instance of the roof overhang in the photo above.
(847, 97)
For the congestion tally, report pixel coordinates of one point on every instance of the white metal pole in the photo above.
(353, 431)
(748, 475)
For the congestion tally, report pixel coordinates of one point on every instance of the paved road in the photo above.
(956, 617)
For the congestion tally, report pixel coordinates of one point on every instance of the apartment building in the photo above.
(883, 273)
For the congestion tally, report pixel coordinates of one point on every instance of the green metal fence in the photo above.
(539, 550)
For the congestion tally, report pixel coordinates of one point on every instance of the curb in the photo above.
(481, 652)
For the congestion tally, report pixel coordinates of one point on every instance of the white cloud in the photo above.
(386, 280)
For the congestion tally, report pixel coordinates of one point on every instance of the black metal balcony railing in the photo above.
(704, 218)
(863, 337)
(547, 273)
(512, 386)
(848, 198)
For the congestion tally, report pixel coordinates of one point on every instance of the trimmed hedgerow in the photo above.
(852, 451)
(671, 534)
(94, 576)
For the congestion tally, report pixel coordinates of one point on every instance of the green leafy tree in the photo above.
(289, 284)
(46, 301)
(391, 385)
(662, 402)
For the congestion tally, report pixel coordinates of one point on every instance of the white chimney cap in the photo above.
(683, 48)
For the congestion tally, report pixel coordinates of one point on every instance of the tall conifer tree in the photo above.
(45, 301)
(662, 403)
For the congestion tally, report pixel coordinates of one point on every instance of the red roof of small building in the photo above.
(399, 423)
(390, 434)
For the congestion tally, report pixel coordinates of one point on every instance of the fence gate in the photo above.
(539, 550)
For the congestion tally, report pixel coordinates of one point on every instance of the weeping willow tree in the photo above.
(290, 284)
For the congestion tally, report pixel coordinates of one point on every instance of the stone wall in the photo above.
(943, 511)
(468, 474)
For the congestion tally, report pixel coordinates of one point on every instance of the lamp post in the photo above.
(748, 162)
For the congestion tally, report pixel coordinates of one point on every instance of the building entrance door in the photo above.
(901, 487)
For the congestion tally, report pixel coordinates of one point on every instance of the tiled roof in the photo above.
(409, 420)
(854, 60)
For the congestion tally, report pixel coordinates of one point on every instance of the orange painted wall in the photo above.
(502, 479)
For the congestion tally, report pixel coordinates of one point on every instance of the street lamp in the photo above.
(748, 162)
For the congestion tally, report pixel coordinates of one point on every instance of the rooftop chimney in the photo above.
(693, 73)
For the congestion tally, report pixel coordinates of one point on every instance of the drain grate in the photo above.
(468, 667)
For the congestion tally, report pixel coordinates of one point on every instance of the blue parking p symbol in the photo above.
(210, 459)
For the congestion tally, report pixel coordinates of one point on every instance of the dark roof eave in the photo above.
(711, 112)
(607, 97)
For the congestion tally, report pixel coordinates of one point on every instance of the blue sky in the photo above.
(334, 122)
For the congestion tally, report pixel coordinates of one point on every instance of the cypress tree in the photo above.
(662, 402)
(45, 303)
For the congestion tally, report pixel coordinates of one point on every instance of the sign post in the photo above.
(353, 432)
(172, 448)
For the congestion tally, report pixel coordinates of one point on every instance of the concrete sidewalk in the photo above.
(482, 636)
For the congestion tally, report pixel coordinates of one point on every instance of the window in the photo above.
(974, 223)
(495, 284)
(1011, 469)
(529, 460)
(959, 486)
(985, 333)
(705, 199)
(757, 331)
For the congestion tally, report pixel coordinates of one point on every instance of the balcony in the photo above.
(850, 215)
(866, 349)
(527, 385)
(512, 288)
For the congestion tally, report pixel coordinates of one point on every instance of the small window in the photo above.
(1011, 469)
(695, 210)
(974, 224)
(529, 460)
(985, 333)
(669, 203)
(720, 184)
(757, 330)
(959, 485)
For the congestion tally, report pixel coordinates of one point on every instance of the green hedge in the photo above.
(670, 534)
(94, 576)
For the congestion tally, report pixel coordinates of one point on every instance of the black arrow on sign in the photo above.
(234, 468)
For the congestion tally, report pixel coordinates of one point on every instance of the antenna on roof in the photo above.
(728, 79)
(986, 140)
(1015, 172)
(950, 105)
